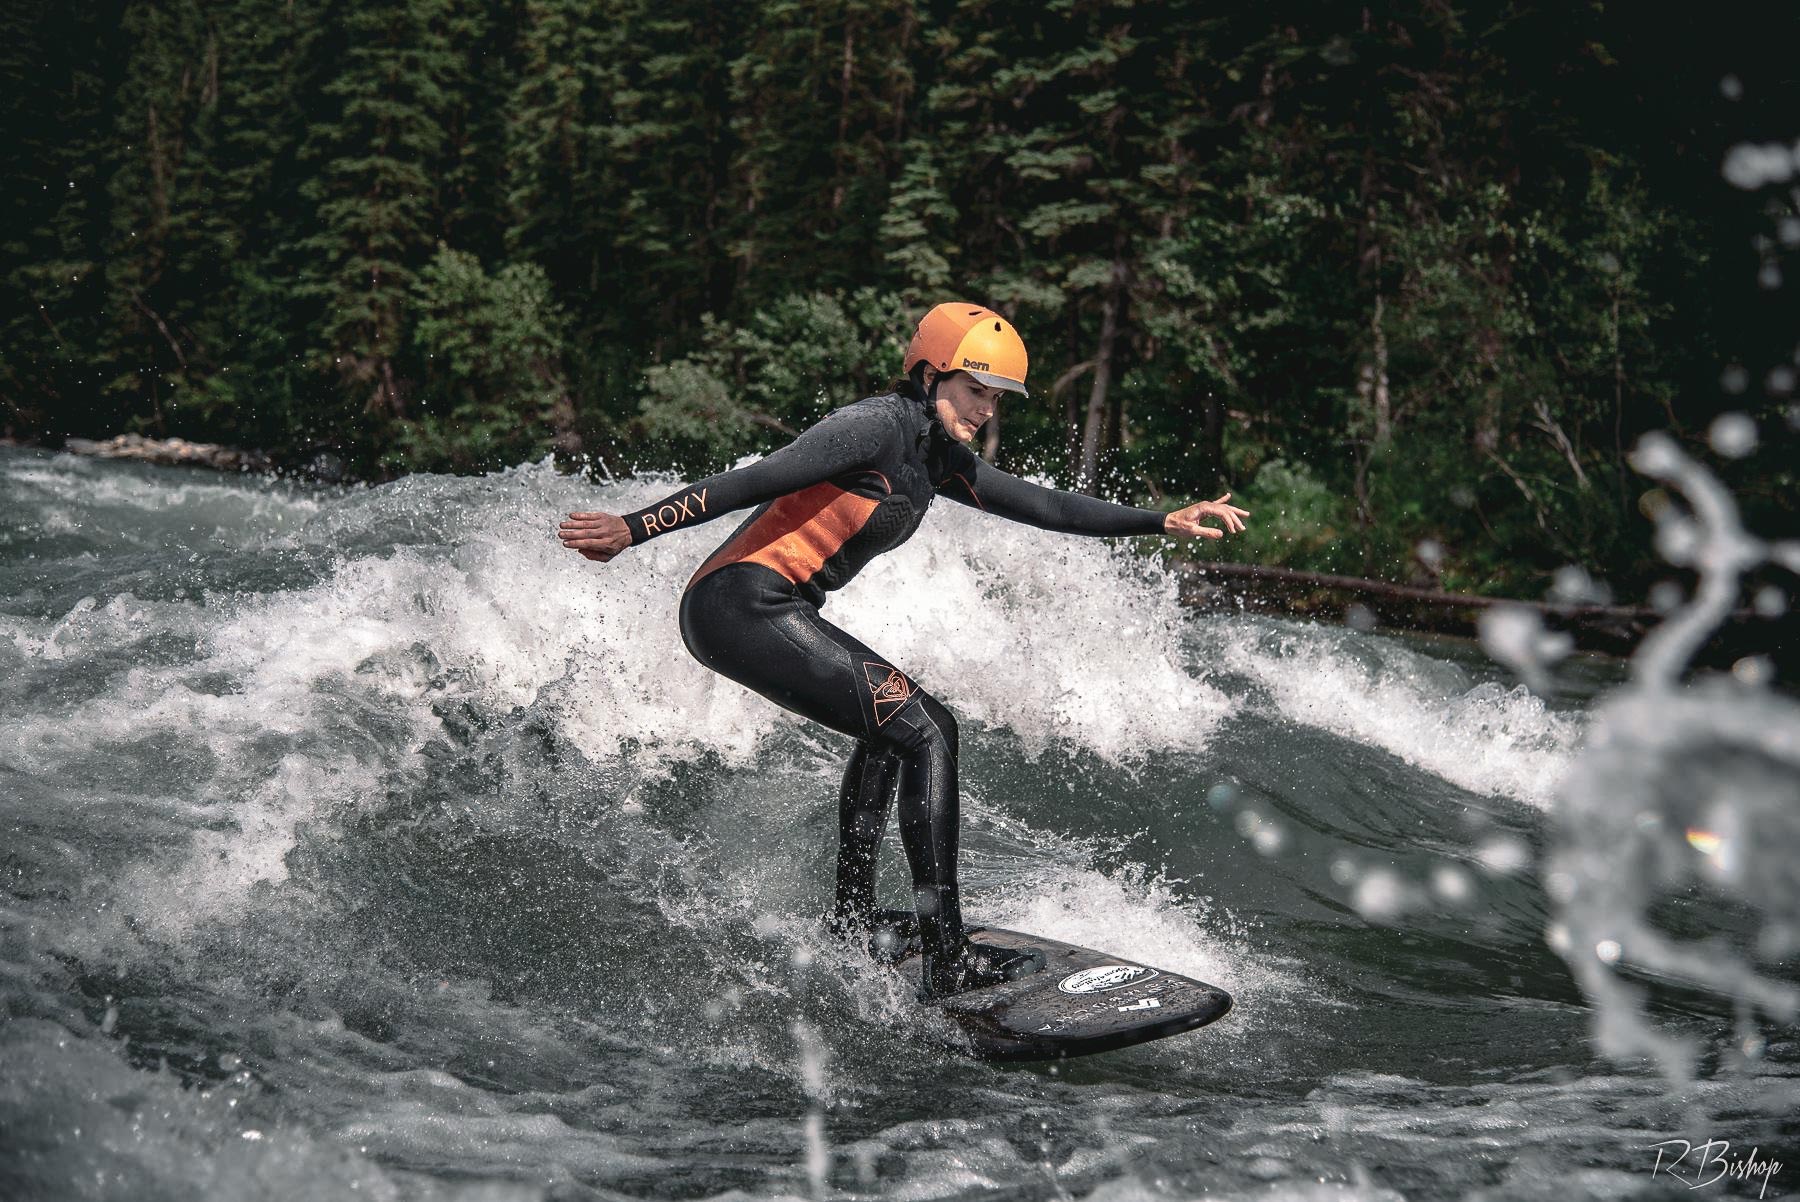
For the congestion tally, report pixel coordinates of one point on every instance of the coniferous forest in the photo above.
(1400, 275)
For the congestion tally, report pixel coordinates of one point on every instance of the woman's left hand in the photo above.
(1186, 522)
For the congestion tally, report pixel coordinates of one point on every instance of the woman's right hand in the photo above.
(597, 536)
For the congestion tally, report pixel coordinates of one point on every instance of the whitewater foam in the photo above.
(1484, 737)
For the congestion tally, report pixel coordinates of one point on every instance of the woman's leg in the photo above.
(868, 790)
(744, 622)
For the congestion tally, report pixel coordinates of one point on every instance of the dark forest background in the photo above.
(1409, 278)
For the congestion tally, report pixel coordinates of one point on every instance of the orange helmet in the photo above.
(963, 337)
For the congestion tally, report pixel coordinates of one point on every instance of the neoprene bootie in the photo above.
(975, 966)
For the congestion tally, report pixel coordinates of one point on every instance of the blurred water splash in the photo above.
(1678, 868)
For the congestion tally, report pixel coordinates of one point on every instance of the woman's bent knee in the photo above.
(925, 725)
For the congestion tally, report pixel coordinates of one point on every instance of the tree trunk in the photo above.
(1619, 473)
(1071, 414)
(843, 128)
(565, 437)
(1212, 441)
(1093, 429)
(1371, 375)
(1372, 385)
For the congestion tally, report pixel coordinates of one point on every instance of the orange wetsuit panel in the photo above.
(797, 533)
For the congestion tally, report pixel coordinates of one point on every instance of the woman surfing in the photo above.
(849, 488)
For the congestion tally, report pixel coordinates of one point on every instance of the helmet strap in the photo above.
(928, 394)
(931, 409)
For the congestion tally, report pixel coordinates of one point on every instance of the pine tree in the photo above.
(164, 228)
(377, 162)
(59, 147)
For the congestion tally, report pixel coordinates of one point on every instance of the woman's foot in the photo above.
(976, 966)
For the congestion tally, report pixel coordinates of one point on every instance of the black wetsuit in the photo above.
(852, 486)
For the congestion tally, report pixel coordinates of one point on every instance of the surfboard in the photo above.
(1082, 1001)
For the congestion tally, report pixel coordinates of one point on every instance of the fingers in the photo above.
(593, 519)
(1231, 515)
(607, 546)
(1224, 513)
(595, 536)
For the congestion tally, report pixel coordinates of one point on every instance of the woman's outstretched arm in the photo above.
(980, 484)
(844, 440)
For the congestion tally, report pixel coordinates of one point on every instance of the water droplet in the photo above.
(1665, 595)
(1379, 896)
(1268, 839)
(1749, 165)
(1678, 539)
(1504, 855)
(1573, 585)
(1754, 670)
(1451, 883)
(1732, 435)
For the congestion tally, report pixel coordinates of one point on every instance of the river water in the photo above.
(365, 843)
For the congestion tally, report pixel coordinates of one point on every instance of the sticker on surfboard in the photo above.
(1105, 978)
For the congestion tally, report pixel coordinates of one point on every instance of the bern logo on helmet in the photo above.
(1110, 976)
(971, 365)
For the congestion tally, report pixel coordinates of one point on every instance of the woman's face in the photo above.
(963, 403)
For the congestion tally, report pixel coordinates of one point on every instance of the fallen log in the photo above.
(1365, 604)
(170, 451)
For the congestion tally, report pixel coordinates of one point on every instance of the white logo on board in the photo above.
(1109, 976)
